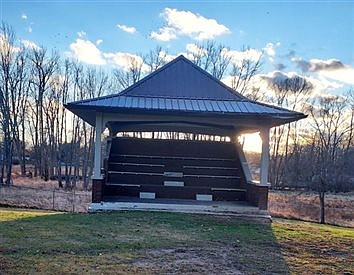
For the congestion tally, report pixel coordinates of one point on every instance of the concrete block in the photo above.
(173, 174)
(173, 183)
(147, 195)
(202, 197)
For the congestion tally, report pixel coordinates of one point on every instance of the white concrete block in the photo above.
(173, 183)
(147, 195)
(202, 197)
(173, 174)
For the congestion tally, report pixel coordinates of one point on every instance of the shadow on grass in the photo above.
(158, 242)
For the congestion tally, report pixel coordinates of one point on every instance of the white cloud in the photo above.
(228, 80)
(195, 49)
(320, 85)
(187, 55)
(269, 49)
(189, 24)
(126, 60)
(164, 34)
(30, 44)
(29, 29)
(345, 75)
(315, 65)
(86, 51)
(81, 34)
(4, 44)
(321, 65)
(238, 56)
(24, 16)
(166, 57)
(99, 42)
(126, 28)
(331, 68)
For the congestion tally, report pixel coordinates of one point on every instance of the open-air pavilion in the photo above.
(173, 136)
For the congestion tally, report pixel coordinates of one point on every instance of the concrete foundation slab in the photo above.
(240, 209)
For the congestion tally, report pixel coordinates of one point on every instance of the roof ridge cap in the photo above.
(184, 98)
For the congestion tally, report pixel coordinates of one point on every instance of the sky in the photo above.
(310, 38)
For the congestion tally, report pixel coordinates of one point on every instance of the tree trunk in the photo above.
(322, 206)
(23, 151)
(8, 160)
(2, 171)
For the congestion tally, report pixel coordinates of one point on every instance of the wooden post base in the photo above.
(257, 195)
(97, 190)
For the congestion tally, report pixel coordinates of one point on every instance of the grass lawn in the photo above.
(150, 242)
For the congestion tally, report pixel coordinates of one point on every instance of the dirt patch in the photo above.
(5, 264)
(189, 261)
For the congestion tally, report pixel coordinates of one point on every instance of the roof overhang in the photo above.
(182, 91)
(246, 122)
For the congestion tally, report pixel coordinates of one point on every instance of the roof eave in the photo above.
(276, 119)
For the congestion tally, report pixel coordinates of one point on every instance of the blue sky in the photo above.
(310, 38)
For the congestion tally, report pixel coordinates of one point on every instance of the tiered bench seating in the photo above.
(148, 168)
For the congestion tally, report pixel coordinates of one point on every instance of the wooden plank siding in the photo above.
(198, 167)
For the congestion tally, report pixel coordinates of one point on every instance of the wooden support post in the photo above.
(98, 145)
(264, 133)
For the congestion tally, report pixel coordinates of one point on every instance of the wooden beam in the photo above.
(264, 133)
(170, 126)
(98, 145)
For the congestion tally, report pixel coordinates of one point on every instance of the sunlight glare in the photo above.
(252, 142)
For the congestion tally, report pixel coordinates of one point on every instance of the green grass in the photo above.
(152, 242)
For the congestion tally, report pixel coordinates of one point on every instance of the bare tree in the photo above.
(88, 83)
(7, 57)
(42, 70)
(61, 119)
(333, 137)
(292, 93)
(156, 58)
(212, 58)
(131, 74)
(243, 72)
(13, 99)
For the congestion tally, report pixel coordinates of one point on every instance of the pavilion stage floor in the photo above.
(233, 208)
